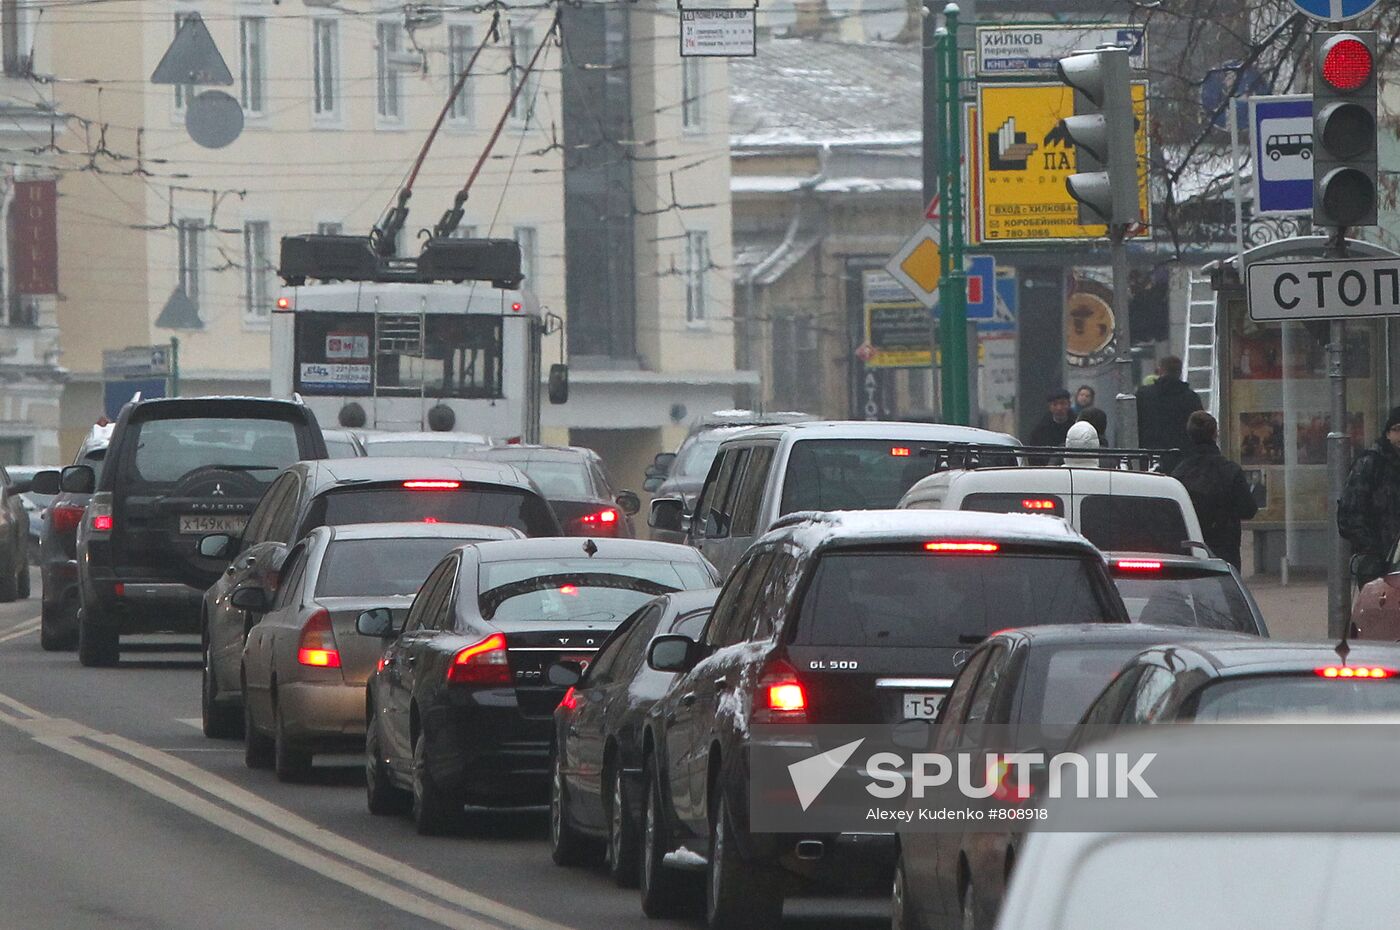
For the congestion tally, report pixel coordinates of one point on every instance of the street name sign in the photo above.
(135, 362)
(1325, 289)
(719, 33)
(1032, 51)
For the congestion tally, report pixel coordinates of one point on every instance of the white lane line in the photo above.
(27, 628)
(24, 709)
(195, 722)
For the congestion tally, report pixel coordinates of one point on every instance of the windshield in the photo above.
(488, 505)
(169, 449)
(380, 567)
(900, 599)
(1307, 695)
(696, 456)
(559, 479)
(856, 474)
(1213, 601)
(339, 448)
(1061, 683)
(597, 590)
(427, 448)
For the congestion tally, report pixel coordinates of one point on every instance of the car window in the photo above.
(379, 567)
(1023, 502)
(772, 598)
(719, 520)
(422, 604)
(696, 455)
(289, 582)
(1214, 601)
(596, 589)
(267, 509)
(491, 505)
(749, 499)
(600, 669)
(1259, 697)
(601, 480)
(569, 479)
(950, 717)
(1149, 698)
(691, 624)
(1126, 523)
(737, 624)
(979, 706)
(1060, 682)
(281, 525)
(1108, 706)
(728, 598)
(421, 448)
(168, 449)
(626, 649)
(857, 474)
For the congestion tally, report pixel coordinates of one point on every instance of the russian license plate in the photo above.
(198, 523)
(922, 706)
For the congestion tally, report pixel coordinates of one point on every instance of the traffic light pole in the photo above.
(1118, 248)
(952, 329)
(1338, 462)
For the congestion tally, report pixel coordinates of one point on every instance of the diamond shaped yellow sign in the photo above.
(917, 265)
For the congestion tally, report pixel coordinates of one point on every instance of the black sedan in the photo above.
(596, 787)
(14, 538)
(1184, 590)
(58, 547)
(459, 710)
(575, 482)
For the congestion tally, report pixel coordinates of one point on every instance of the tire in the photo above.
(738, 895)
(624, 850)
(901, 910)
(257, 749)
(98, 646)
(382, 796)
(566, 845)
(219, 721)
(665, 891)
(434, 813)
(289, 762)
(51, 639)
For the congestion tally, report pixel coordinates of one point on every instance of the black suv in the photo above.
(848, 618)
(177, 469)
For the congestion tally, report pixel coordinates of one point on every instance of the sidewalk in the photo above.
(1298, 611)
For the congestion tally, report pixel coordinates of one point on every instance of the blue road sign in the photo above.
(981, 292)
(1234, 80)
(1281, 141)
(1335, 11)
(115, 394)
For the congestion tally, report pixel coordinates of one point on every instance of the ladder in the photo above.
(1202, 362)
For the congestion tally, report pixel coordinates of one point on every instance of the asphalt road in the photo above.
(115, 811)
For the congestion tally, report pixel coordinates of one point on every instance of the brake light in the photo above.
(1037, 503)
(102, 522)
(605, 519)
(1354, 671)
(317, 645)
(420, 484)
(570, 700)
(65, 518)
(570, 589)
(780, 697)
(901, 452)
(483, 663)
(952, 546)
(1138, 565)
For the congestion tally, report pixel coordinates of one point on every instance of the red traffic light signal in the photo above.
(1347, 63)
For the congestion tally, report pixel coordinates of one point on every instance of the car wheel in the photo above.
(219, 721)
(566, 845)
(381, 795)
(257, 748)
(434, 813)
(52, 639)
(23, 580)
(969, 907)
(623, 843)
(737, 894)
(901, 909)
(665, 891)
(98, 646)
(289, 762)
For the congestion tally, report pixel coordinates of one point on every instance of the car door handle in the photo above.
(722, 684)
(688, 698)
(411, 661)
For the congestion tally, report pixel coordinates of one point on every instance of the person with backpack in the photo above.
(1218, 488)
(1368, 514)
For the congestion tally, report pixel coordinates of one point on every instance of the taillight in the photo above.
(1374, 672)
(64, 518)
(421, 484)
(483, 663)
(951, 546)
(99, 514)
(1037, 503)
(570, 700)
(780, 697)
(317, 645)
(901, 452)
(604, 520)
(1138, 565)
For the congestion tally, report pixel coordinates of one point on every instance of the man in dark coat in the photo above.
(1218, 488)
(1368, 515)
(1164, 406)
(1054, 426)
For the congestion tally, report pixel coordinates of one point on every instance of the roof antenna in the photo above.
(590, 547)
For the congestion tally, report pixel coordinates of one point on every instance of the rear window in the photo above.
(1295, 696)
(380, 567)
(902, 599)
(1122, 523)
(856, 474)
(485, 504)
(338, 448)
(1213, 601)
(598, 590)
(559, 479)
(169, 449)
(423, 447)
(1060, 684)
(1051, 504)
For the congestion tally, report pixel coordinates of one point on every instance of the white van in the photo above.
(1119, 511)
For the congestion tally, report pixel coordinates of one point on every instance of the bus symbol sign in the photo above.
(1282, 147)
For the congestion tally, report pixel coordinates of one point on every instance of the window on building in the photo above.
(522, 47)
(190, 235)
(459, 53)
(796, 364)
(183, 92)
(18, 41)
(390, 82)
(529, 253)
(252, 53)
(325, 65)
(692, 93)
(329, 229)
(257, 272)
(697, 262)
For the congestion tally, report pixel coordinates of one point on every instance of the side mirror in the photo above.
(564, 674)
(78, 479)
(46, 482)
(216, 546)
(672, 652)
(629, 502)
(662, 462)
(376, 622)
(667, 513)
(653, 483)
(558, 384)
(251, 598)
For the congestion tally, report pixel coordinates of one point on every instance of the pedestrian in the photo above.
(1368, 515)
(1082, 435)
(1163, 408)
(1218, 488)
(1054, 426)
(1084, 399)
(1096, 418)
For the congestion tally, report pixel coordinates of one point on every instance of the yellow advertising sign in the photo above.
(1023, 157)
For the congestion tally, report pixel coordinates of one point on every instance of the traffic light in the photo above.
(1344, 129)
(1103, 130)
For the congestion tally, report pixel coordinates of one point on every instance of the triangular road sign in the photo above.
(931, 211)
(192, 58)
(179, 313)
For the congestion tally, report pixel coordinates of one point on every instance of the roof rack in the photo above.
(968, 455)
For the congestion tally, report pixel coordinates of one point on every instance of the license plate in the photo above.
(922, 706)
(196, 523)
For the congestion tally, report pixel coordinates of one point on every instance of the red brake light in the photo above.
(780, 696)
(65, 518)
(283, 303)
(483, 663)
(787, 697)
(102, 522)
(570, 700)
(570, 589)
(603, 518)
(1354, 671)
(420, 484)
(1347, 63)
(951, 546)
(1138, 565)
(901, 452)
(430, 519)
(1038, 503)
(317, 645)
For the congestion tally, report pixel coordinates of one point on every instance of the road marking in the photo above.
(19, 631)
(196, 722)
(304, 842)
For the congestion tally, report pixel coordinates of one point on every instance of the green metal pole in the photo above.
(941, 87)
(954, 328)
(174, 366)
